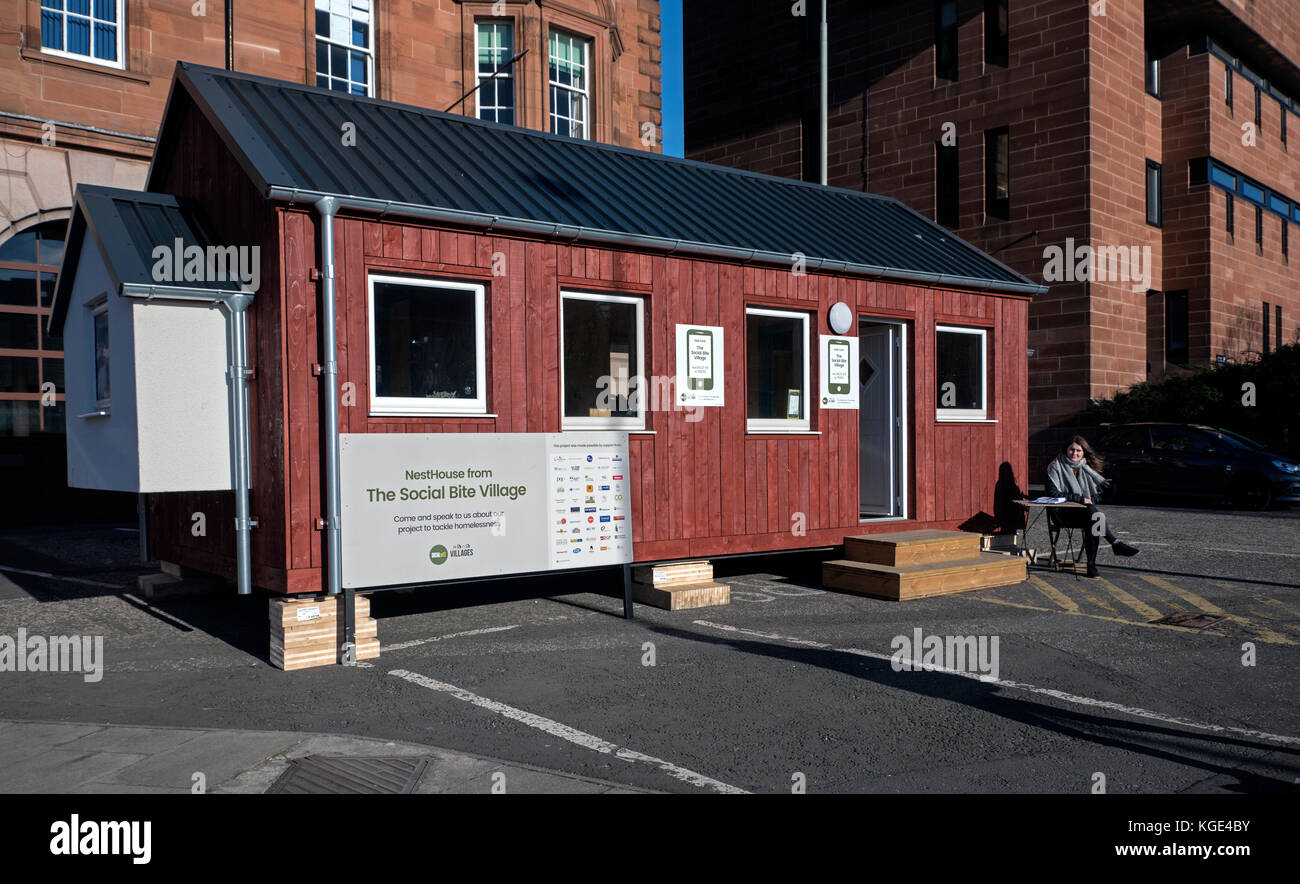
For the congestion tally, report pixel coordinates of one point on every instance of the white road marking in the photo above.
(1253, 552)
(564, 732)
(60, 577)
(437, 638)
(1047, 692)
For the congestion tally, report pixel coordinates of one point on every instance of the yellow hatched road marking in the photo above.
(1096, 601)
(1209, 607)
(1271, 601)
(1054, 594)
(1264, 615)
(1141, 607)
(1097, 617)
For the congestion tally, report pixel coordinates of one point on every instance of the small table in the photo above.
(1053, 532)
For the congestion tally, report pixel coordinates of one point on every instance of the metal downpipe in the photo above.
(237, 319)
(327, 207)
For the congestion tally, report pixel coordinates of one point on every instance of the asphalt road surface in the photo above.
(789, 686)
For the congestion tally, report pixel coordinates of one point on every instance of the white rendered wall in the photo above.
(183, 401)
(102, 451)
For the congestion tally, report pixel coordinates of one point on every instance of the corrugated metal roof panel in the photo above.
(288, 137)
(127, 226)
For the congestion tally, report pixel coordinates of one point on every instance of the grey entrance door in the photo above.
(877, 424)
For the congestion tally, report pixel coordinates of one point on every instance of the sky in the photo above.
(671, 24)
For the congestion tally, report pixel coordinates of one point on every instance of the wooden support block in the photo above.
(286, 611)
(674, 573)
(308, 632)
(367, 649)
(680, 597)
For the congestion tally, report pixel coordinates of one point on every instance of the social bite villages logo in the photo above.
(438, 555)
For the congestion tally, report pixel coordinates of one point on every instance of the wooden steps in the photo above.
(308, 632)
(678, 585)
(917, 564)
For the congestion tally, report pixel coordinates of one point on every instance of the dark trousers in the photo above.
(1073, 517)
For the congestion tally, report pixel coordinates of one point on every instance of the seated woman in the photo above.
(1075, 474)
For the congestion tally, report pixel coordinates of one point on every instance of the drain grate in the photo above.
(1188, 620)
(346, 775)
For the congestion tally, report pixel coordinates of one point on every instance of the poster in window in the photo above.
(839, 371)
(699, 366)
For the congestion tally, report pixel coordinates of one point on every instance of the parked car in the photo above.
(1189, 460)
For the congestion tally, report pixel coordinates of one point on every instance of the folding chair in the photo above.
(1054, 529)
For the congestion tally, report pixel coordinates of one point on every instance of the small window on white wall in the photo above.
(427, 346)
(961, 371)
(99, 329)
(602, 347)
(776, 368)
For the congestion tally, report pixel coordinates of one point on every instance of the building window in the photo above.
(99, 326)
(32, 358)
(1227, 85)
(1153, 74)
(1229, 208)
(961, 365)
(776, 370)
(344, 46)
(946, 181)
(427, 346)
(945, 40)
(1282, 124)
(997, 42)
(1176, 328)
(997, 179)
(602, 342)
(494, 46)
(1285, 237)
(1259, 112)
(1277, 325)
(1259, 230)
(90, 30)
(1155, 205)
(570, 75)
(1267, 336)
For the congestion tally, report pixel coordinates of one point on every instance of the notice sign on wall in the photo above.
(839, 375)
(699, 365)
(419, 508)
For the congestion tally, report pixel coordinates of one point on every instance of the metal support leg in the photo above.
(349, 627)
(627, 593)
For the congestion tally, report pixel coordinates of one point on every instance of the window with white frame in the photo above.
(602, 346)
(345, 49)
(91, 30)
(570, 73)
(776, 370)
(494, 46)
(427, 346)
(961, 372)
(99, 342)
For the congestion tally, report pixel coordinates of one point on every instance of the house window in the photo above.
(961, 365)
(1153, 74)
(99, 330)
(90, 30)
(996, 35)
(344, 46)
(494, 46)
(602, 343)
(1155, 208)
(427, 346)
(1176, 328)
(945, 177)
(945, 40)
(776, 370)
(570, 75)
(997, 178)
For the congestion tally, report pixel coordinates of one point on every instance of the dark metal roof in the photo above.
(413, 161)
(126, 226)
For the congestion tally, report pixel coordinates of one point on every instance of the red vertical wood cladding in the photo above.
(701, 485)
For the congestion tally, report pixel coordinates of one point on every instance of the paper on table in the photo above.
(1049, 500)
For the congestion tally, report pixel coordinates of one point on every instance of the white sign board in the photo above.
(419, 508)
(839, 375)
(700, 365)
